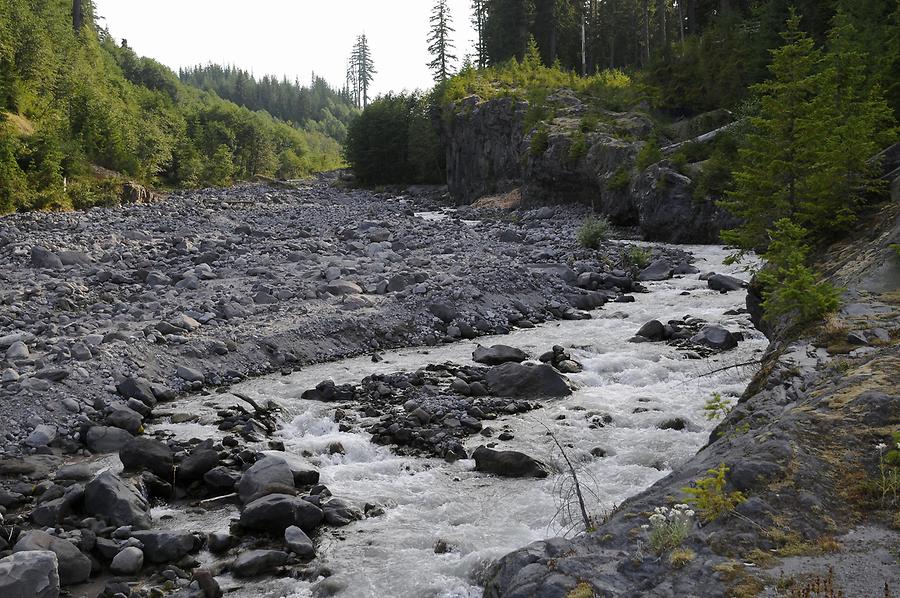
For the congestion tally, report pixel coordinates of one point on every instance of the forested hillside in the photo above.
(80, 113)
(315, 108)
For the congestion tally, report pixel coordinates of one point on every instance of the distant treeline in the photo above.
(315, 108)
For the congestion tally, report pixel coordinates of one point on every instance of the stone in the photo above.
(128, 562)
(137, 388)
(29, 574)
(221, 478)
(443, 311)
(338, 513)
(116, 502)
(343, 287)
(106, 439)
(166, 546)
(189, 374)
(510, 464)
(527, 380)
(126, 419)
(266, 473)
(659, 269)
(653, 330)
(497, 354)
(42, 435)
(715, 337)
(724, 283)
(73, 566)
(275, 512)
(17, 350)
(257, 562)
(149, 454)
(207, 583)
(299, 543)
(43, 258)
(196, 465)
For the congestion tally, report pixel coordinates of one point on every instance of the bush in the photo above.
(594, 231)
(709, 496)
(789, 286)
(620, 180)
(649, 154)
(579, 147)
(669, 527)
(540, 141)
(394, 141)
(637, 257)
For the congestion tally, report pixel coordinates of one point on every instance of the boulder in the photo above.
(73, 566)
(724, 283)
(196, 465)
(275, 512)
(267, 473)
(660, 269)
(299, 543)
(43, 258)
(149, 454)
(29, 574)
(257, 562)
(117, 502)
(339, 513)
(125, 418)
(653, 330)
(137, 388)
(166, 546)
(518, 380)
(715, 337)
(343, 287)
(107, 439)
(497, 354)
(42, 435)
(128, 562)
(508, 464)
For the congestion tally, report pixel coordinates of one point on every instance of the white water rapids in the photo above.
(482, 517)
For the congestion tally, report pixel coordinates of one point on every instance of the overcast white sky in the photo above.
(287, 37)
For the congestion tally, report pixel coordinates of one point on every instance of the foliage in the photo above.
(669, 527)
(440, 43)
(806, 156)
(649, 154)
(394, 141)
(316, 108)
(887, 484)
(579, 147)
(789, 285)
(637, 257)
(72, 101)
(681, 556)
(360, 71)
(594, 231)
(620, 180)
(709, 496)
(716, 407)
(540, 141)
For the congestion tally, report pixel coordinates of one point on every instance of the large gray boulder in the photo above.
(508, 464)
(257, 562)
(299, 543)
(269, 473)
(128, 562)
(715, 337)
(498, 354)
(107, 439)
(44, 258)
(724, 283)
(117, 502)
(149, 454)
(73, 566)
(517, 380)
(166, 546)
(276, 512)
(29, 574)
(660, 269)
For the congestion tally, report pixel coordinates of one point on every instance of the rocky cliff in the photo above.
(571, 150)
(804, 446)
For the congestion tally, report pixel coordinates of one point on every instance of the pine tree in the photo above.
(774, 167)
(365, 68)
(479, 16)
(440, 45)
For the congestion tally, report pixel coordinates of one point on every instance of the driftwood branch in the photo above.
(730, 367)
(588, 526)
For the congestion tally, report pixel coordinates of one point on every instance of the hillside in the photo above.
(82, 114)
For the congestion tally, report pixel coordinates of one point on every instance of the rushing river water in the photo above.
(481, 517)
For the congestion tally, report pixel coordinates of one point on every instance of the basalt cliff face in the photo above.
(577, 153)
(802, 447)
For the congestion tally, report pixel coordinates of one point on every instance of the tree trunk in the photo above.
(645, 49)
(661, 23)
(77, 15)
(692, 16)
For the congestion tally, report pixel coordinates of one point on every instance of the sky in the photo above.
(287, 37)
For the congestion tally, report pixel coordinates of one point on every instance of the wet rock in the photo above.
(221, 478)
(715, 337)
(498, 354)
(118, 503)
(266, 474)
(299, 543)
(339, 513)
(127, 562)
(219, 542)
(207, 583)
(527, 380)
(107, 439)
(654, 330)
(257, 562)
(196, 465)
(166, 546)
(29, 574)
(73, 566)
(125, 418)
(724, 283)
(328, 391)
(510, 464)
(660, 269)
(275, 512)
(137, 388)
(149, 454)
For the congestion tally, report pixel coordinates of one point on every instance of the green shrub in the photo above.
(637, 257)
(579, 147)
(790, 287)
(716, 407)
(709, 496)
(540, 141)
(594, 231)
(669, 527)
(649, 154)
(620, 180)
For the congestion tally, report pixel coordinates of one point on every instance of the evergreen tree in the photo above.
(506, 29)
(772, 178)
(479, 16)
(440, 45)
(365, 68)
